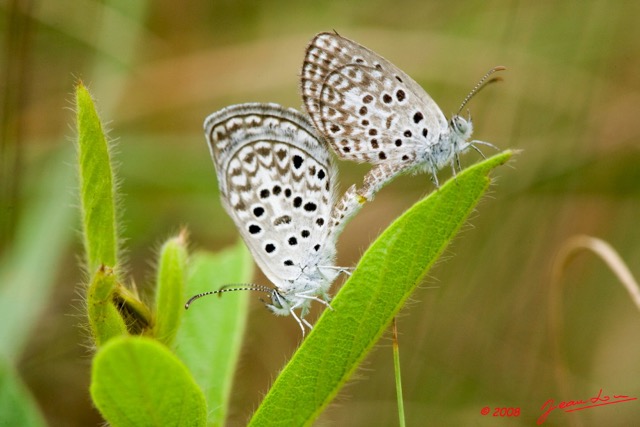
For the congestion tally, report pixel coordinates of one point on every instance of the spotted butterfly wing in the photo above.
(366, 107)
(276, 180)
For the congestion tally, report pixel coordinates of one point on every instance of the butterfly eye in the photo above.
(459, 124)
(276, 300)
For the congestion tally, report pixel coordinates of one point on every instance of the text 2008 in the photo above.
(506, 412)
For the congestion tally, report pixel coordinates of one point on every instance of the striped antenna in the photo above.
(482, 83)
(228, 288)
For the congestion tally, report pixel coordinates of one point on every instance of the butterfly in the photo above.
(277, 182)
(371, 111)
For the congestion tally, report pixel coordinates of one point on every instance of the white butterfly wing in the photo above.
(366, 107)
(276, 183)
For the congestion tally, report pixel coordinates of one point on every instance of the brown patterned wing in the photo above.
(366, 107)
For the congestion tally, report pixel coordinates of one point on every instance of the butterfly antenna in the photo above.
(482, 83)
(229, 288)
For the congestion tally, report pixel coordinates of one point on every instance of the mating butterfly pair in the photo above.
(277, 179)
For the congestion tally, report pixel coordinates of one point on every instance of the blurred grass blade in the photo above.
(28, 269)
(387, 274)
(97, 189)
(17, 406)
(105, 320)
(212, 330)
(136, 381)
(398, 374)
(172, 271)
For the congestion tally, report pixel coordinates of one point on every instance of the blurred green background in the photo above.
(477, 333)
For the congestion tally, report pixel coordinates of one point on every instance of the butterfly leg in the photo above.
(458, 164)
(453, 166)
(473, 143)
(305, 310)
(488, 144)
(434, 179)
(307, 323)
(293, 314)
(314, 298)
(344, 270)
(325, 299)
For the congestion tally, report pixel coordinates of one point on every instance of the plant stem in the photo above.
(396, 366)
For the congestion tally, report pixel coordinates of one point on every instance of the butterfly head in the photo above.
(461, 128)
(280, 305)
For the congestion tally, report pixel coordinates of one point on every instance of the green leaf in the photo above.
(136, 381)
(17, 406)
(210, 337)
(97, 190)
(385, 277)
(172, 271)
(105, 320)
